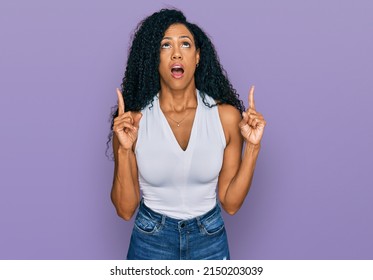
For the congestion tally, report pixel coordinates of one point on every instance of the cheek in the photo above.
(163, 57)
(163, 70)
(192, 57)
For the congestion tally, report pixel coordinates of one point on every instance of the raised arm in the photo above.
(237, 173)
(125, 193)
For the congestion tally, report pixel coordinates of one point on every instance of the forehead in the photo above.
(177, 30)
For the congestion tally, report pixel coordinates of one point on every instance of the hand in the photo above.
(126, 125)
(252, 124)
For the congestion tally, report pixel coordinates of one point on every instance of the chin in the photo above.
(179, 84)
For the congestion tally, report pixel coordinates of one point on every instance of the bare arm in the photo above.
(237, 173)
(125, 193)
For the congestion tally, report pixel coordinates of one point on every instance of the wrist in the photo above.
(124, 151)
(252, 147)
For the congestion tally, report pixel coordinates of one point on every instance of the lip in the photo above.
(177, 75)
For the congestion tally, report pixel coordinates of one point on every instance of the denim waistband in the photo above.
(177, 223)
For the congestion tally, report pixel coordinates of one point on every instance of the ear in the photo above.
(197, 56)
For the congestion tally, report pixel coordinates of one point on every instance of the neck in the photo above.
(177, 100)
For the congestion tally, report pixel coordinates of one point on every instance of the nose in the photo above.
(176, 54)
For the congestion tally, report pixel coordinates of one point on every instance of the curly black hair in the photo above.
(141, 80)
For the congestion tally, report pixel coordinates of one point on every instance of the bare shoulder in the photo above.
(230, 117)
(229, 114)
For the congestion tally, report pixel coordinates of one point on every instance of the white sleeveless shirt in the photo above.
(177, 183)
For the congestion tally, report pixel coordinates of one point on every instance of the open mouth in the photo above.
(177, 71)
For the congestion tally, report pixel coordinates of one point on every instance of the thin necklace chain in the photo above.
(179, 122)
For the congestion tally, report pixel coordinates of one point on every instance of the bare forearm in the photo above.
(241, 183)
(125, 192)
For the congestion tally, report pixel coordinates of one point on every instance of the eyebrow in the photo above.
(180, 37)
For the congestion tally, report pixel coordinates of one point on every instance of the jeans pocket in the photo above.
(212, 225)
(146, 224)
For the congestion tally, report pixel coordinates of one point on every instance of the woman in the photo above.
(178, 134)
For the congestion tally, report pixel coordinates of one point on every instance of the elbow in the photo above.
(231, 207)
(231, 210)
(125, 215)
(124, 210)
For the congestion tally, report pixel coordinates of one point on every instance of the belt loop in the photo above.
(198, 221)
(163, 220)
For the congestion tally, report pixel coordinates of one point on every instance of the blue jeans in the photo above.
(158, 237)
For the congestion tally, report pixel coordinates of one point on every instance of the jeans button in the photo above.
(182, 225)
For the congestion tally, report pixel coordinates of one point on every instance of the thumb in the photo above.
(245, 119)
(136, 119)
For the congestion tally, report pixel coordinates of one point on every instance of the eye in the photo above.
(185, 45)
(165, 46)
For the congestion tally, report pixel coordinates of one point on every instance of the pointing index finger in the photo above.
(251, 98)
(121, 105)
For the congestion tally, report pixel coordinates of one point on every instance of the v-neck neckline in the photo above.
(169, 130)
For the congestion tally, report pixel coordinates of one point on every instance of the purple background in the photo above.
(312, 65)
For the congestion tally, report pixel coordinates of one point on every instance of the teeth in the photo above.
(178, 69)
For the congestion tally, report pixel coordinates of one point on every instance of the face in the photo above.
(178, 58)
